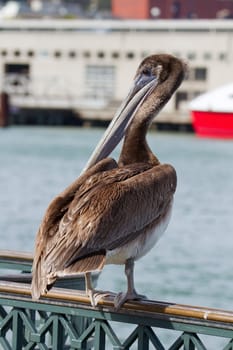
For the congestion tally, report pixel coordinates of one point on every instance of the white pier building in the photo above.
(86, 66)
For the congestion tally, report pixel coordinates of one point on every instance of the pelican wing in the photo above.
(106, 212)
(49, 233)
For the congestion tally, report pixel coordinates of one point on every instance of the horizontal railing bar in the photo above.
(16, 256)
(147, 307)
(149, 313)
(16, 260)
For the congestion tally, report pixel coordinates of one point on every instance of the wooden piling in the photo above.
(4, 109)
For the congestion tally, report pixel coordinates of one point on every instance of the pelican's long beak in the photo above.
(124, 116)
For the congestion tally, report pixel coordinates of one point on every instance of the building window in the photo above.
(100, 81)
(17, 78)
(100, 54)
(180, 97)
(44, 53)
(196, 94)
(200, 74)
(191, 55)
(87, 54)
(207, 56)
(222, 56)
(17, 53)
(176, 9)
(72, 54)
(115, 54)
(130, 55)
(4, 53)
(57, 54)
(30, 53)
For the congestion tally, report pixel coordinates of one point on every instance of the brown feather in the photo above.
(48, 232)
(87, 264)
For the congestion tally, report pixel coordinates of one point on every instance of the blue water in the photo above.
(192, 263)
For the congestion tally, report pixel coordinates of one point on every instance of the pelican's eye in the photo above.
(147, 72)
(144, 77)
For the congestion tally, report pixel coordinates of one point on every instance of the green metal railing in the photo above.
(64, 319)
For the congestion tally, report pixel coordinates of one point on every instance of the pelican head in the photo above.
(156, 79)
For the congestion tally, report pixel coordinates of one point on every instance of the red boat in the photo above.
(212, 113)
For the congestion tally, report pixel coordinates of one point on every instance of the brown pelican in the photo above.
(114, 212)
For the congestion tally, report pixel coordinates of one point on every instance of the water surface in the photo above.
(192, 263)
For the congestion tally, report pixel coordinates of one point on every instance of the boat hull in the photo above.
(213, 124)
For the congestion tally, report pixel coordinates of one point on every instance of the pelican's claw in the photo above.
(121, 298)
(96, 295)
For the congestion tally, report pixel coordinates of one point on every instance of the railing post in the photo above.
(229, 346)
(188, 344)
(143, 341)
(99, 337)
(58, 337)
(17, 331)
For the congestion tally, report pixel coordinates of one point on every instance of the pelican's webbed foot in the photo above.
(96, 295)
(121, 298)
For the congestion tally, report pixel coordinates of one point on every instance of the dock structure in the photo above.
(86, 66)
(65, 319)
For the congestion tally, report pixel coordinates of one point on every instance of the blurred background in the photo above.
(70, 63)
